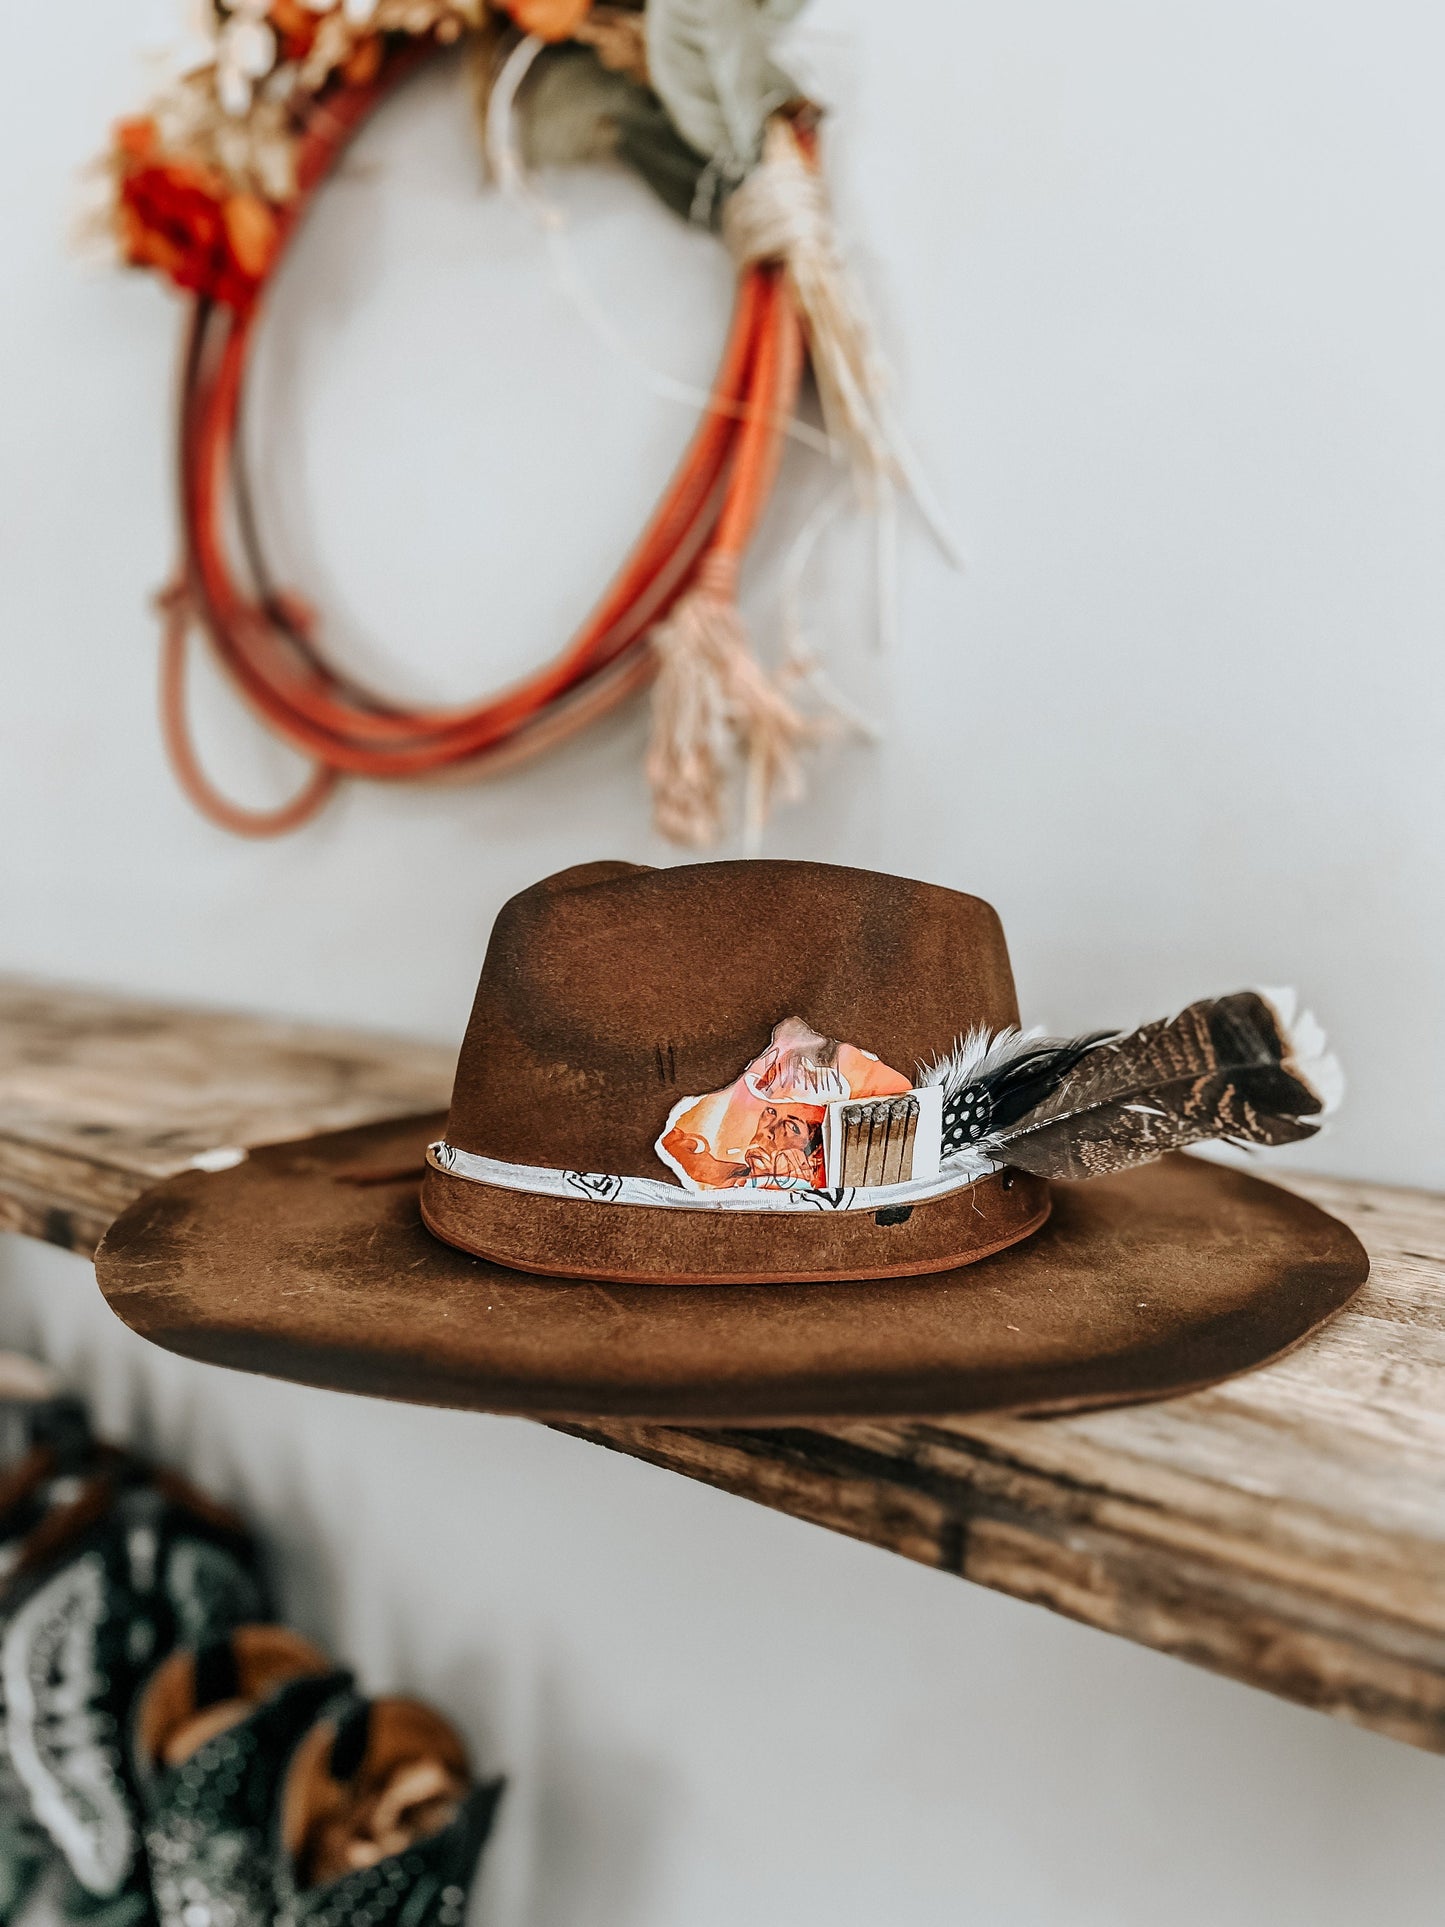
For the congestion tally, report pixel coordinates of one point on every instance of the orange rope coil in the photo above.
(706, 516)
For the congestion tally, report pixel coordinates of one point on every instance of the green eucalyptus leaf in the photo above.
(572, 108)
(711, 66)
(648, 141)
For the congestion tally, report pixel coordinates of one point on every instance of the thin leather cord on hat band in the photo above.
(265, 642)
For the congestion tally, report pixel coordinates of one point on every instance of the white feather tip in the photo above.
(975, 1054)
(1307, 1053)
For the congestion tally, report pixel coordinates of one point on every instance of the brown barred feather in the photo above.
(1215, 1071)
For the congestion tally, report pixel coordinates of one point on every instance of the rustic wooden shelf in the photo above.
(1287, 1529)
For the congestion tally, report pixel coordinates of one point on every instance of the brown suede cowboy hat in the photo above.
(611, 992)
(762, 1142)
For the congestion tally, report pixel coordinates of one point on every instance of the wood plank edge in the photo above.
(1289, 1642)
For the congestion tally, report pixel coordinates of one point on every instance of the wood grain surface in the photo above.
(102, 1096)
(1287, 1528)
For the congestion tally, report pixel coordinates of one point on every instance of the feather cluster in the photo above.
(1243, 1069)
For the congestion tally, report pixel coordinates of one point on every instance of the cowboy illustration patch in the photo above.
(808, 1114)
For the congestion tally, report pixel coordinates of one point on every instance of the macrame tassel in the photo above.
(781, 213)
(714, 705)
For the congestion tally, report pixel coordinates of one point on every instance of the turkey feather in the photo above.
(1239, 1068)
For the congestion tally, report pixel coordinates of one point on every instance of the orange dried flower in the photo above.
(252, 233)
(297, 26)
(363, 63)
(178, 218)
(135, 139)
(549, 19)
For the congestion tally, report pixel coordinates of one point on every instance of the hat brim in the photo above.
(310, 1261)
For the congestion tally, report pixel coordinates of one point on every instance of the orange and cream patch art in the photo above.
(767, 1129)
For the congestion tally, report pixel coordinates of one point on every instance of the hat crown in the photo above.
(612, 990)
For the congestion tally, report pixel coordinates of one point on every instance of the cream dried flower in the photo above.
(412, 16)
(259, 153)
(334, 41)
(355, 13)
(256, 151)
(246, 50)
(346, 22)
(186, 114)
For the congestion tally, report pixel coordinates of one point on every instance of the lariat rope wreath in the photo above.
(210, 188)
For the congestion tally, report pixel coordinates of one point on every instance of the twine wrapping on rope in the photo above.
(781, 214)
(714, 706)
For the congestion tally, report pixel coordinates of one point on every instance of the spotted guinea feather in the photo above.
(992, 1079)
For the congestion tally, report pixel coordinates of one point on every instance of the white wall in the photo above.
(1165, 288)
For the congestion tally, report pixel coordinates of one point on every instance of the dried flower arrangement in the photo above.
(205, 178)
(211, 181)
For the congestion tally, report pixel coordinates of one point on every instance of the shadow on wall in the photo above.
(601, 1822)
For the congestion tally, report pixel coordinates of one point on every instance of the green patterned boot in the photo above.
(129, 1564)
(380, 1821)
(214, 1732)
